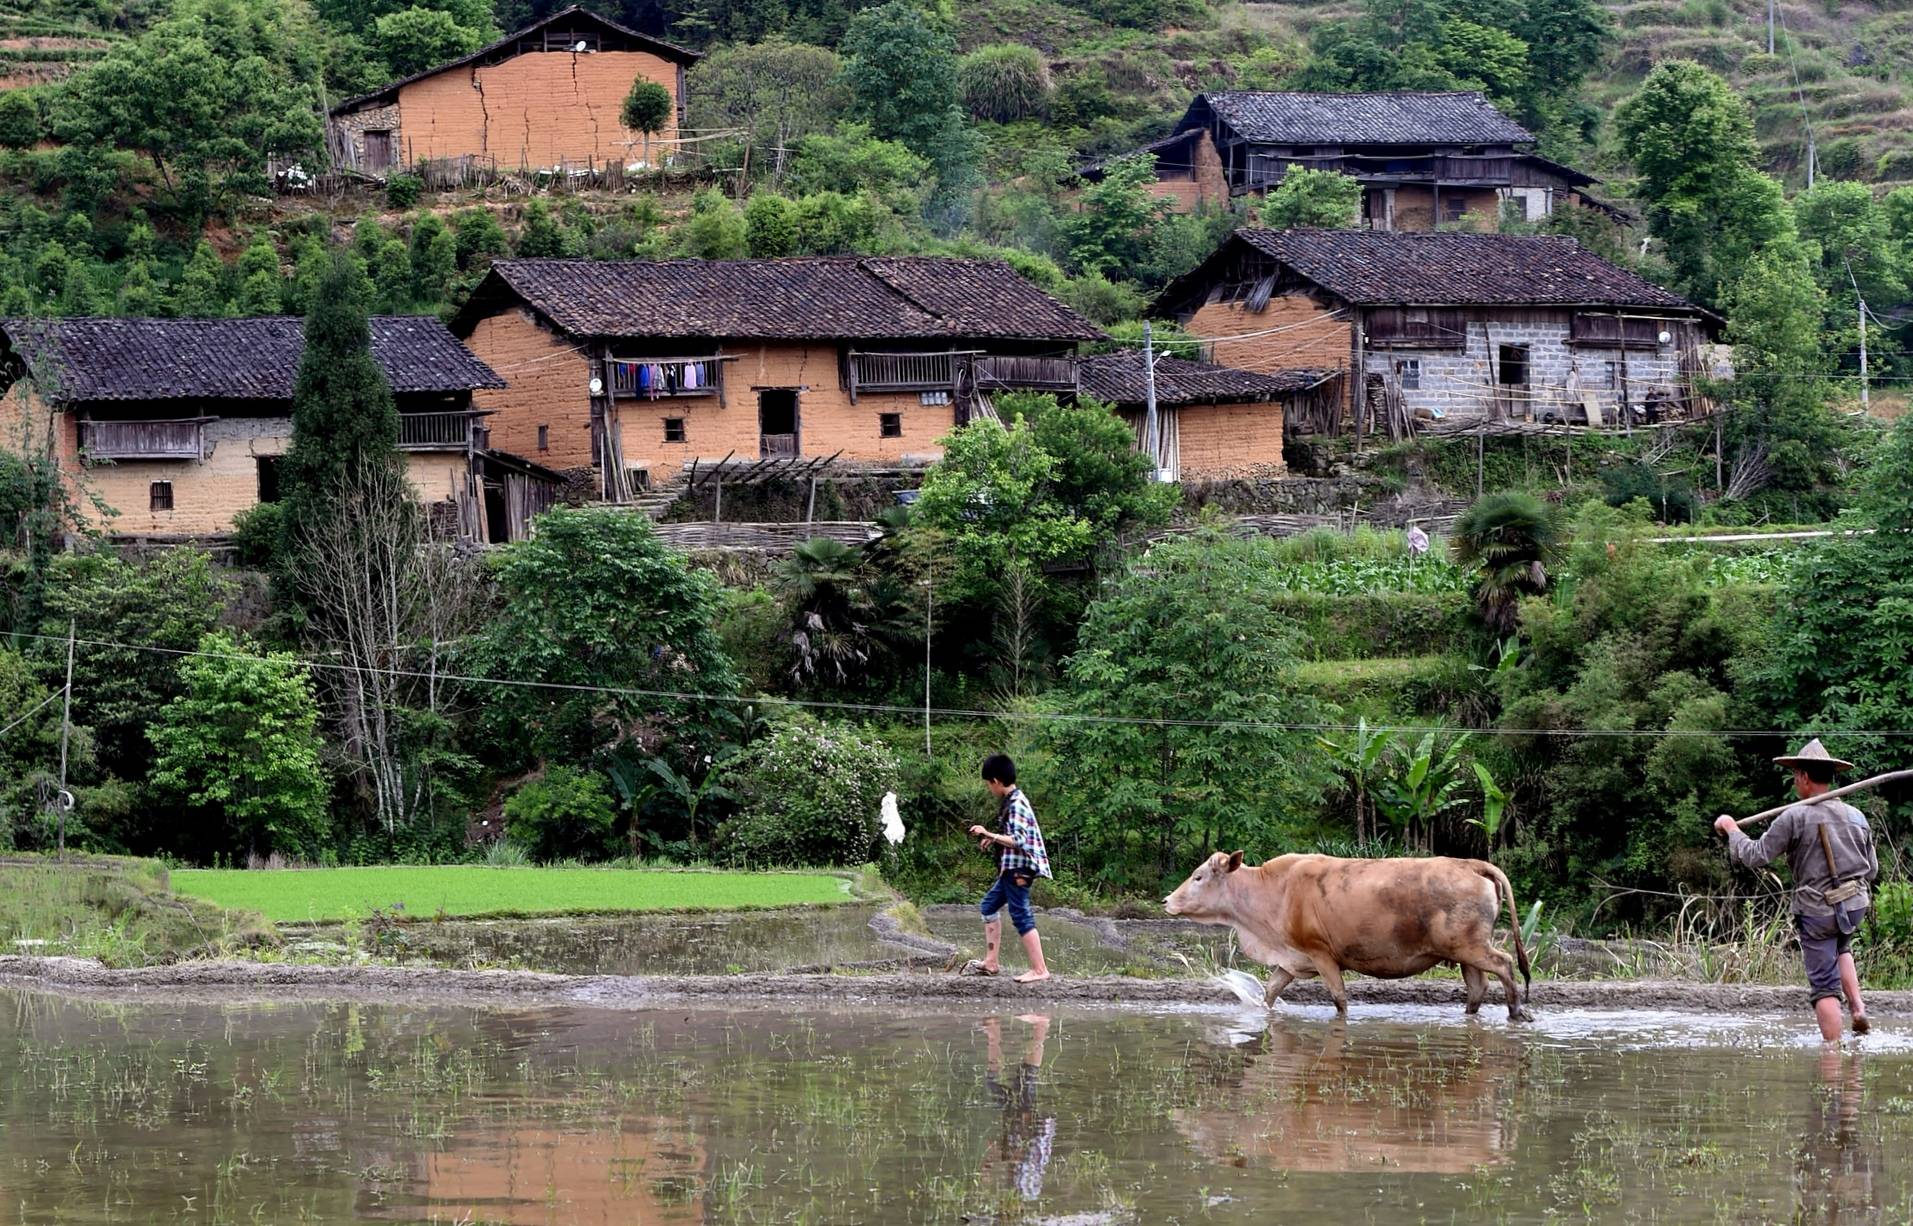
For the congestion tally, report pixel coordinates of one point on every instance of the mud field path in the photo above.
(217, 981)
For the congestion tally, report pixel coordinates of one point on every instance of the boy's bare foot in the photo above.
(1032, 977)
(1860, 1024)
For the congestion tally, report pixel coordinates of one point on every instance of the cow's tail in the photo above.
(1514, 923)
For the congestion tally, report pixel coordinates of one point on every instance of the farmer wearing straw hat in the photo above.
(1829, 850)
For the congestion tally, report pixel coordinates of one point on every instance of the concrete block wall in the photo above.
(1461, 382)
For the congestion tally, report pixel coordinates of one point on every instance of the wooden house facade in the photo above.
(1423, 159)
(634, 369)
(1451, 327)
(179, 425)
(547, 97)
(1213, 422)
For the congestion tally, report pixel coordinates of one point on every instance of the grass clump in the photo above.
(310, 895)
(116, 910)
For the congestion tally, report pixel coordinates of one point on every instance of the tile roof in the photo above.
(1396, 118)
(1117, 378)
(1457, 269)
(389, 92)
(850, 297)
(224, 359)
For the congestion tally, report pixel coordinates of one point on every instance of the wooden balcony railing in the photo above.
(1041, 374)
(902, 372)
(449, 431)
(181, 439)
(657, 378)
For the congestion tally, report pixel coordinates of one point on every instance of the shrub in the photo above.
(402, 191)
(1673, 501)
(256, 534)
(566, 814)
(809, 793)
(19, 120)
(1004, 82)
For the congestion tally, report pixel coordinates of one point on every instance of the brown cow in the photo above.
(1307, 915)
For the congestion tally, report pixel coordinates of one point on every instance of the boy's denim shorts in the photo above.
(1006, 892)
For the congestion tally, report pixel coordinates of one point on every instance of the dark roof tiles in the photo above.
(1117, 378)
(78, 360)
(1395, 118)
(1458, 269)
(921, 297)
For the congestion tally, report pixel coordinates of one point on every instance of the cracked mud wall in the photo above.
(535, 110)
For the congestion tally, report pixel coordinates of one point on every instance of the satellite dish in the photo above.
(1666, 337)
(597, 385)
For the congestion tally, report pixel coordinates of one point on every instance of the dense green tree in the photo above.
(1781, 432)
(344, 422)
(831, 223)
(432, 256)
(20, 126)
(852, 160)
(478, 235)
(770, 226)
(414, 39)
(1319, 199)
(543, 235)
(595, 599)
(716, 229)
(209, 94)
(240, 745)
(1188, 632)
(201, 293)
(1858, 253)
(1691, 140)
(261, 287)
(900, 69)
(647, 109)
(1100, 476)
(562, 815)
(777, 91)
(1118, 219)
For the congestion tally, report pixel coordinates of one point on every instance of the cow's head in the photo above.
(1205, 894)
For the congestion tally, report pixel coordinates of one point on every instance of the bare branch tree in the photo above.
(1750, 473)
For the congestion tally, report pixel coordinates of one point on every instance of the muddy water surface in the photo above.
(394, 1113)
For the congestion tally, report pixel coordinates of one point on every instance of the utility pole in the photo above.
(63, 800)
(1770, 27)
(929, 592)
(1151, 428)
(1864, 403)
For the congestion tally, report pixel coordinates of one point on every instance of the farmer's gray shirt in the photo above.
(1795, 834)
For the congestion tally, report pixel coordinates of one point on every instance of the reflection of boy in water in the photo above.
(1026, 1140)
(1834, 1175)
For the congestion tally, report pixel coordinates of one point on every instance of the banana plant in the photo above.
(1360, 762)
(1427, 785)
(1494, 804)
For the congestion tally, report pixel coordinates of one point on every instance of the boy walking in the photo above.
(1020, 860)
(1830, 856)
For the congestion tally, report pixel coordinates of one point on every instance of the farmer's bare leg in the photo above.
(1826, 1011)
(1278, 980)
(992, 941)
(1033, 947)
(1850, 985)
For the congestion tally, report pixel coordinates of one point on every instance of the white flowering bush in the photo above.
(809, 793)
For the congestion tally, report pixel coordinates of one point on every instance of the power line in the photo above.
(978, 713)
(36, 706)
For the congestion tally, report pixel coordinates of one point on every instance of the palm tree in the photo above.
(823, 592)
(1510, 540)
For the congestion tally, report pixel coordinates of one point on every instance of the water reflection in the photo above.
(1838, 1160)
(1027, 1139)
(1304, 1097)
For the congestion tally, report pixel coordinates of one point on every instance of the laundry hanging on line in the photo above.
(654, 379)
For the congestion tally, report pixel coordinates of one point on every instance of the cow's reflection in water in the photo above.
(1839, 1154)
(1301, 1096)
(1023, 1150)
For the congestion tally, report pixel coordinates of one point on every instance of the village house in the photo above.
(1214, 422)
(634, 369)
(548, 97)
(179, 425)
(1423, 159)
(1451, 327)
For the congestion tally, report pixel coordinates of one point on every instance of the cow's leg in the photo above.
(1477, 987)
(1501, 966)
(1278, 980)
(1331, 973)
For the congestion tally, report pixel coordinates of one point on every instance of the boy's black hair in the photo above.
(999, 768)
(1819, 772)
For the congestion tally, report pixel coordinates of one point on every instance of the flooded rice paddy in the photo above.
(288, 1112)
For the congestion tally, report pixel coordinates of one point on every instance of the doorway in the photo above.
(777, 421)
(268, 478)
(1514, 365)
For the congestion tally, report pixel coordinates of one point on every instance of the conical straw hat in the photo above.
(1813, 751)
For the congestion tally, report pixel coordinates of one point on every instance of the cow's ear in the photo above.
(1235, 861)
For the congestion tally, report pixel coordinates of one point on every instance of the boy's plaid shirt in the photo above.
(1019, 822)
